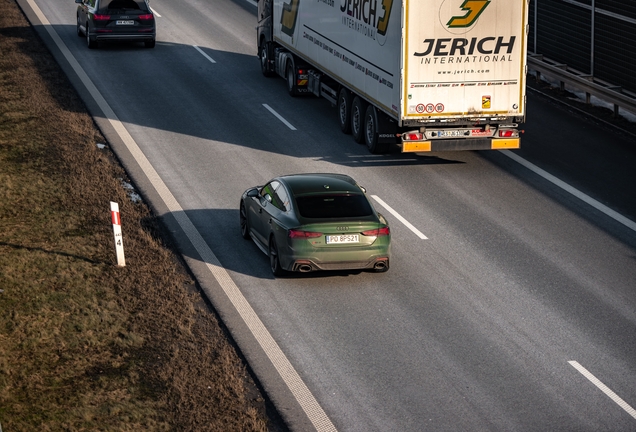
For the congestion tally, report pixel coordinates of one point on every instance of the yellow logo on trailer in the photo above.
(474, 8)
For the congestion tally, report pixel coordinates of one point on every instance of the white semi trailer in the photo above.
(427, 75)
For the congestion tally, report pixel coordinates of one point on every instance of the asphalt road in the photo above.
(516, 312)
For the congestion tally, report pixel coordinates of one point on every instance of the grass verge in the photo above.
(85, 345)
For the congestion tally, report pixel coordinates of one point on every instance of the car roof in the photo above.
(303, 184)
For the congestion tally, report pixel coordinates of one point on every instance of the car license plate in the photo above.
(125, 22)
(451, 133)
(347, 238)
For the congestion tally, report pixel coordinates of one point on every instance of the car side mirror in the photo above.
(252, 192)
(79, 1)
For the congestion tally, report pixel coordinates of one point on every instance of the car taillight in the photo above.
(506, 133)
(146, 17)
(97, 17)
(412, 136)
(384, 231)
(303, 234)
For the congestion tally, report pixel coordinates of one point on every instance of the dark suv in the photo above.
(126, 20)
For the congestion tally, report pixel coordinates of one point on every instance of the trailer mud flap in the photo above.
(460, 144)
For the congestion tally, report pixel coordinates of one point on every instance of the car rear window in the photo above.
(124, 5)
(333, 206)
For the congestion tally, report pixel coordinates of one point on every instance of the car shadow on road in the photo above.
(219, 229)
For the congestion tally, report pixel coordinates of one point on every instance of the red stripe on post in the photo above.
(115, 218)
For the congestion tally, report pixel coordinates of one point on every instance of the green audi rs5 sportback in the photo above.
(309, 222)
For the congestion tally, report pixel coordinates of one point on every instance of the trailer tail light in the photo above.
(97, 17)
(413, 136)
(378, 232)
(303, 234)
(508, 133)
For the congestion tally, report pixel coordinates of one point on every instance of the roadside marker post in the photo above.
(119, 244)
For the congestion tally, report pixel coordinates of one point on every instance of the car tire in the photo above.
(150, 43)
(292, 88)
(274, 259)
(92, 44)
(245, 225)
(358, 109)
(264, 59)
(344, 110)
(371, 125)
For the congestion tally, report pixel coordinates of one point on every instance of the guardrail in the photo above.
(587, 83)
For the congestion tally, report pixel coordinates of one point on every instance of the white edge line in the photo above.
(631, 411)
(155, 12)
(566, 187)
(280, 117)
(399, 217)
(286, 370)
(204, 54)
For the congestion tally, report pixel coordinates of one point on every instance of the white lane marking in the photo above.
(631, 411)
(566, 187)
(286, 370)
(280, 117)
(204, 54)
(400, 218)
(155, 12)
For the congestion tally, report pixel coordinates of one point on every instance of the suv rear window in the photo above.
(123, 5)
(333, 206)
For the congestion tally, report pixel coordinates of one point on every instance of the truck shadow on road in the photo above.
(212, 99)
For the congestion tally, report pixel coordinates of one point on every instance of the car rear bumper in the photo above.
(124, 37)
(308, 265)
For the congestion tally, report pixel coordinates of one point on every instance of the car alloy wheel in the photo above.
(245, 227)
(274, 259)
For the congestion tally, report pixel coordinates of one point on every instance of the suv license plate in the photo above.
(125, 22)
(348, 238)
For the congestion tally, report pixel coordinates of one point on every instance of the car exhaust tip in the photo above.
(381, 266)
(304, 268)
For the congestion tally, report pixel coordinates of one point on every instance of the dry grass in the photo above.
(85, 345)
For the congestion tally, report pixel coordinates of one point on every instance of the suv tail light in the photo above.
(98, 17)
(146, 17)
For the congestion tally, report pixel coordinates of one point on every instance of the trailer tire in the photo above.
(358, 109)
(292, 88)
(264, 59)
(344, 110)
(371, 131)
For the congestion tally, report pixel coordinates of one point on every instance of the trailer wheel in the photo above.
(344, 110)
(358, 108)
(292, 88)
(371, 129)
(264, 59)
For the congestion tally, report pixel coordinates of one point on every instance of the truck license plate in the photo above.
(125, 22)
(451, 133)
(348, 238)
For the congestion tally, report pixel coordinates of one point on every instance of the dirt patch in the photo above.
(84, 344)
